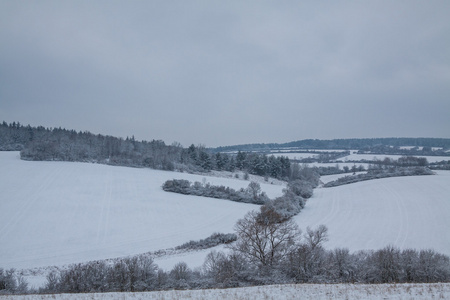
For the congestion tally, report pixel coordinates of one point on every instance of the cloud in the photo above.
(228, 72)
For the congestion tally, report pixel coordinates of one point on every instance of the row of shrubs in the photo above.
(214, 240)
(252, 194)
(305, 264)
(380, 173)
(289, 204)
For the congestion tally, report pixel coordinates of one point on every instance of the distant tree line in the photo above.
(322, 157)
(414, 151)
(57, 144)
(442, 165)
(380, 173)
(345, 144)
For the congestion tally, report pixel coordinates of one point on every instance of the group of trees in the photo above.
(321, 157)
(289, 204)
(404, 161)
(252, 194)
(380, 173)
(369, 144)
(270, 250)
(39, 143)
(10, 283)
(406, 151)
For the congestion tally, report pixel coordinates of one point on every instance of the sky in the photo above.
(222, 73)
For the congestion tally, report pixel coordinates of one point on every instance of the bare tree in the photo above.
(306, 263)
(316, 237)
(263, 238)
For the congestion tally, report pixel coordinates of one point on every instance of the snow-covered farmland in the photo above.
(56, 213)
(277, 292)
(407, 212)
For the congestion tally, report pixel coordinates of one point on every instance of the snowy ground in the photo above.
(55, 213)
(58, 213)
(278, 292)
(407, 212)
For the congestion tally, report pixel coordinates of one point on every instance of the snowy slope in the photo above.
(405, 212)
(55, 213)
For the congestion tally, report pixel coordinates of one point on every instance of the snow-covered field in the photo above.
(407, 212)
(278, 292)
(56, 213)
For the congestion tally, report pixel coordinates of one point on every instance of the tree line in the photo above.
(380, 173)
(59, 144)
(347, 144)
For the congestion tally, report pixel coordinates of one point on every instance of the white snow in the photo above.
(407, 212)
(57, 213)
(277, 292)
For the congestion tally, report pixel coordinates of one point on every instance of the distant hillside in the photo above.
(59, 144)
(347, 144)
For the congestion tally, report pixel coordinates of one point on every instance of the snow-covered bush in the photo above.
(287, 205)
(300, 188)
(380, 173)
(10, 283)
(252, 194)
(211, 241)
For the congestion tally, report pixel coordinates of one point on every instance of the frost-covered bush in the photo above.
(252, 194)
(211, 241)
(11, 283)
(300, 188)
(287, 205)
(137, 273)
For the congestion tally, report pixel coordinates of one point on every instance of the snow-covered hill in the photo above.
(58, 213)
(55, 213)
(407, 212)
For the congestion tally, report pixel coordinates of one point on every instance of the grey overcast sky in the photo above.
(228, 72)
